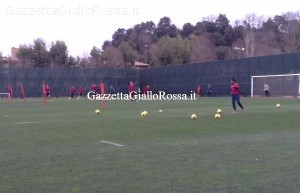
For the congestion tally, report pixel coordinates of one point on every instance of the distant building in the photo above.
(7, 61)
(140, 65)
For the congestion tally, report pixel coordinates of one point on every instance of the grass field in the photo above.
(58, 148)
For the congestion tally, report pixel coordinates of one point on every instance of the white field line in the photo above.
(21, 123)
(119, 145)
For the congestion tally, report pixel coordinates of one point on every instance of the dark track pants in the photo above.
(234, 99)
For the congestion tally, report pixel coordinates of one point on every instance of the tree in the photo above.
(163, 51)
(112, 57)
(222, 23)
(291, 32)
(118, 37)
(95, 56)
(128, 53)
(182, 50)
(267, 39)
(187, 30)
(211, 38)
(209, 27)
(252, 21)
(199, 29)
(173, 50)
(218, 39)
(251, 24)
(41, 56)
(237, 31)
(149, 29)
(142, 40)
(106, 44)
(84, 62)
(222, 52)
(165, 28)
(1, 61)
(229, 36)
(141, 35)
(59, 53)
(25, 55)
(202, 49)
(173, 31)
(72, 62)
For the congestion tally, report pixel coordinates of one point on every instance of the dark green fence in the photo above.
(184, 78)
(62, 79)
(173, 79)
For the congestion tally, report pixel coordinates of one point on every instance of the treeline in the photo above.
(165, 44)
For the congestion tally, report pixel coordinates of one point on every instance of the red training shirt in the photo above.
(131, 88)
(235, 89)
(147, 89)
(80, 90)
(73, 90)
(94, 87)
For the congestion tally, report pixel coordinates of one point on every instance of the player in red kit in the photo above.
(48, 92)
(80, 92)
(94, 88)
(131, 90)
(235, 95)
(72, 92)
(147, 90)
(9, 90)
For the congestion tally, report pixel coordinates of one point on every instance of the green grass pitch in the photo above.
(57, 148)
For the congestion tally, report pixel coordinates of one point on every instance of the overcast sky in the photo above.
(88, 23)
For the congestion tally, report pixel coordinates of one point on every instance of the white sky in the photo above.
(87, 23)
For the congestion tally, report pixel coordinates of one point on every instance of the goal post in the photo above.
(4, 95)
(282, 85)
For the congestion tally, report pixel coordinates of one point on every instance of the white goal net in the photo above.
(283, 85)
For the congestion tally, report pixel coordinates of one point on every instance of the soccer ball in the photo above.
(97, 111)
(144, 113)
(278, 105)
(193, 116)
(217, 116)
(219, 111)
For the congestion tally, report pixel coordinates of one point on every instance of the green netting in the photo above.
(173, 79)
(62, 79)
(184, 78)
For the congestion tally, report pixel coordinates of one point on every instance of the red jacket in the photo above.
(235, 89)
(94, 88)
(80, 90)
(147, 89)
(131, 88)
(48, 89)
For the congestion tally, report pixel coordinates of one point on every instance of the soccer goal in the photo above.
(4, 96)
(282, 85)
